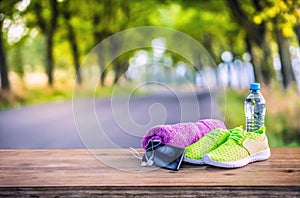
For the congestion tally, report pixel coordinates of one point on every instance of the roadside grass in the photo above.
(30, 95)
(45, 94)
(282, 114)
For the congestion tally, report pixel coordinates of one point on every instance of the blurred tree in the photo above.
(286, 64)
(264, 20)
(17, 61)
(283, 16)
(209, 22)
(297, 31)
(46, 13)
(6, 11)
(258, 38)
(3, 61)
(109, 17)
(101, 17)
(206, 21)
(121, 64)
(68, 13)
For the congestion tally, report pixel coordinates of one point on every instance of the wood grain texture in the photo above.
(113, 172)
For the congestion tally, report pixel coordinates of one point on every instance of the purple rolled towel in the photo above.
(181, 134)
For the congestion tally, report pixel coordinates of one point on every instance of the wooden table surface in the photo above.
(115, 172)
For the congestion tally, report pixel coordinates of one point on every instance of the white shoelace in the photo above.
(149, 161)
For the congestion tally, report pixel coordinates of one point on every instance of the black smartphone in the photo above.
(163, 155)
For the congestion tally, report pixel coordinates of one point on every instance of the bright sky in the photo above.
(16, 27)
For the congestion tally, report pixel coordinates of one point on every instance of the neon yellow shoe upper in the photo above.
(240, 149)
(210, 141)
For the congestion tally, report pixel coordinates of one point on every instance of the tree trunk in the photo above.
(74, 46)
(98, 37)
(297, 31)
(49, 58)
(267, 67)
(101, 58)
(117, 65)
(75, 53)
(118, 62)
(286, 66)
(207, 41)
(3, 61)
(48, 27)
(254, 36)
(255, 60)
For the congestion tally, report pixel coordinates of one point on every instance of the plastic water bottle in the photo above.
(255, 108)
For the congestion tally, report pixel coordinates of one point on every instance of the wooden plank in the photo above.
(98, 171)
(116, 167)
(148, 191)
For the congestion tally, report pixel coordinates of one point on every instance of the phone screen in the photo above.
(163, 155)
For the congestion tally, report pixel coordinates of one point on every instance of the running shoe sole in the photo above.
(259, 156)
(193, 161)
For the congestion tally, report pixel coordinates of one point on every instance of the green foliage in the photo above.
(208, 22)
(30, 56)
(201, 20)
(234, 109)
(285, 14)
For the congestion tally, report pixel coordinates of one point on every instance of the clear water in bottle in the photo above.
(255, 108)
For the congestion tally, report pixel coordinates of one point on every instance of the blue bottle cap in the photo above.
(255, 86)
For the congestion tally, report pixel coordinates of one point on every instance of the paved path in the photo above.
(52, 126)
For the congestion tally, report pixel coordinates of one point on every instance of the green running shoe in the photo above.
(240, 149)
(194, 152)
